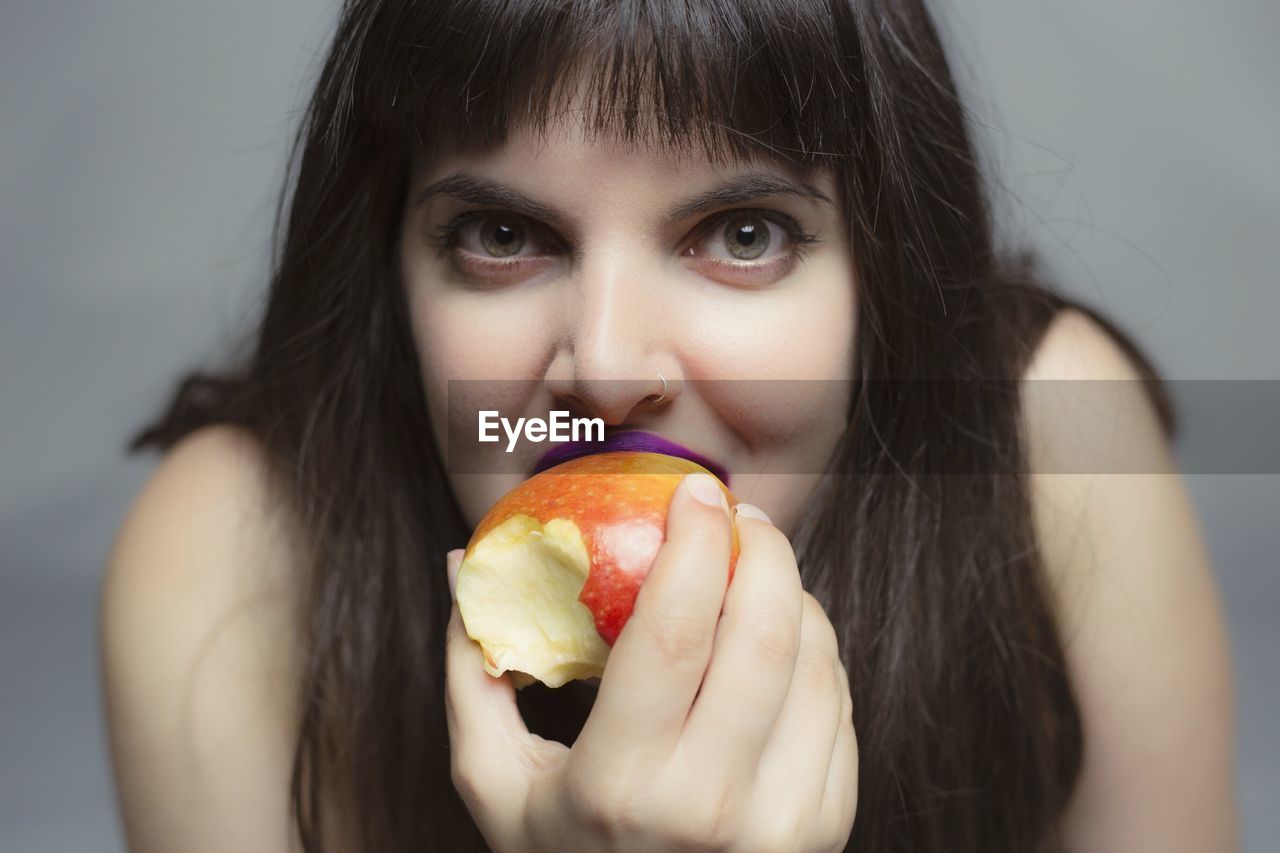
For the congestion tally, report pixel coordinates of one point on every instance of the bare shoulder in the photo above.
(1137, 603)
(200, 652)
(1076, 347)
(210, 489)
(1099, 461)
(204, 533)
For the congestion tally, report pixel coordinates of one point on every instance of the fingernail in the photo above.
(452, 561)
(705, 488)
(752, 511)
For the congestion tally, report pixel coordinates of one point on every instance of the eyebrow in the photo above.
(473, 189)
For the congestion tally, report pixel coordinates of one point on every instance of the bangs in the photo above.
(733, 82)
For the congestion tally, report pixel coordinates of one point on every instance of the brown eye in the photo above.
(501, 236)
(746, 237)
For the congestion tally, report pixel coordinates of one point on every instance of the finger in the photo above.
(486, 732)
(793, 774)
(660, 657)
(753, 656)
(840, 798)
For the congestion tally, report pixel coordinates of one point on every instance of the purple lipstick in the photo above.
(637, 440)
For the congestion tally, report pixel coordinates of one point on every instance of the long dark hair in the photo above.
(970, 739)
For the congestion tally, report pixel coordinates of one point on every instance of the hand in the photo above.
(711, 730)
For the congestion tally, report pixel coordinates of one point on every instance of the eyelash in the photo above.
(445, 238)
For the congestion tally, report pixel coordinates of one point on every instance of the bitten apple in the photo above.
(552, 571)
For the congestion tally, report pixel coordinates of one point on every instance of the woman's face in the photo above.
(579, 270)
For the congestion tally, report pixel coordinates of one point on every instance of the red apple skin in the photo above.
(619, 502)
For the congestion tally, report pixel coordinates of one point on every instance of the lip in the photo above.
(634, 439)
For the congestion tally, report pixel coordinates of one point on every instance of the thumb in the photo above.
(485, 726)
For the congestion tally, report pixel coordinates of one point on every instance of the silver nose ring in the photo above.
(663, 395)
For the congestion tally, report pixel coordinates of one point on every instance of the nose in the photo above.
(615, 349)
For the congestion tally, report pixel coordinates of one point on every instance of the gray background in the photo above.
(141, 144)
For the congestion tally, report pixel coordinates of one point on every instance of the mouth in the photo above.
(636, 440)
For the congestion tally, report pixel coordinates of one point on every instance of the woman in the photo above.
(939, 644)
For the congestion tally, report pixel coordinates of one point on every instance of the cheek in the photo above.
(475, 353)
(790, 353)
(480, 342)
(803, 331)
(469, 336)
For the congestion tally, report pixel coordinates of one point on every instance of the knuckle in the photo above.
(846, 696)
(602, 803)
(714, 822)
(817, 662)
(678, 635)
(817, 629)
(853, 753)
(846, 709)
(815, 668)
(775, 638)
